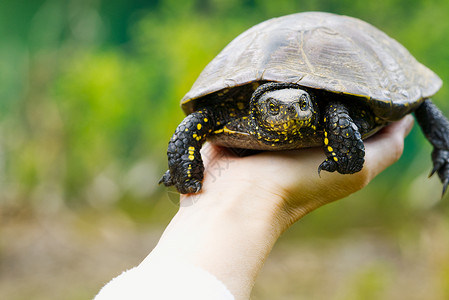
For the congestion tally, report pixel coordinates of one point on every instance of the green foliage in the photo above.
(82, 99)
(89, 97)
(79, 102)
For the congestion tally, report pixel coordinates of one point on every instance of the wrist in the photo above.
(228, 233)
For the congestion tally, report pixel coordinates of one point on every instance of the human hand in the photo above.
(230, 227)
(289, 179)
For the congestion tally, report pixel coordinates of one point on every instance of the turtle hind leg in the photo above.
(435, 127)
(185, 165)
(343, 143)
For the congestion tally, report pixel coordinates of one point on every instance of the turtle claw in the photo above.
(327, 165)
(445, 184)
(435, 168)
(166, 179)
(440, 160)
(189, 187)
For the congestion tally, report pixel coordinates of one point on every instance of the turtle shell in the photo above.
(323, 51)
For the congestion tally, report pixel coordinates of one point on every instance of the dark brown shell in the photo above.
(324, 51)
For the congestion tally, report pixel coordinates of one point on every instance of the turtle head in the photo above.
(282, 109)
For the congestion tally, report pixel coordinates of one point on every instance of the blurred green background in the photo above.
(89, 97)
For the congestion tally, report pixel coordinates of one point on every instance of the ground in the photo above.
(71, 256)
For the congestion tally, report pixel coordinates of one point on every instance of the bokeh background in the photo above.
(89, 96)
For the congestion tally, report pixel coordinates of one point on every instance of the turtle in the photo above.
(305, 80)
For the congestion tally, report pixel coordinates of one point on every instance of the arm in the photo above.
(231, 226)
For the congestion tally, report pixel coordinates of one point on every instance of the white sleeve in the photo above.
(165, 279)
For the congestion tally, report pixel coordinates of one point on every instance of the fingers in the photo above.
(382, 150)
(297, 170)
(385, 148)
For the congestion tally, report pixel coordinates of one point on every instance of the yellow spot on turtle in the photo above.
(191, 157)
(191, 148)
(324, 119)
(190, 167)
(187, 129)
(205, 120)
(326, 141)
(325, 133)
(198, 138)
(194, 135)
(227, 130)
(218, 123)
(329, 148)
(198, 126)
(335, 158)
(240, 105)
(333, 154)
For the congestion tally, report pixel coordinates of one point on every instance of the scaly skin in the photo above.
(342, 135)
(343, 125)
(185, 166)
(343, 143)
(276, 135)
(435, 127)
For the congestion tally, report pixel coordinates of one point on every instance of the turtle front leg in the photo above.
(343, 143)
(435, 127)
(185, 166)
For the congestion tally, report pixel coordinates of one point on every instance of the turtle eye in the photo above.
(303, 102)
(273, 107)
